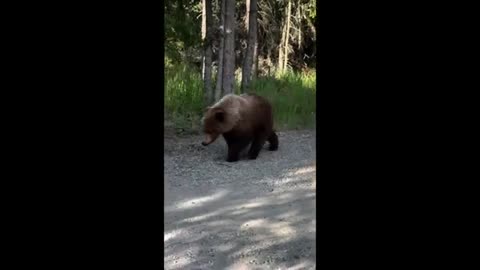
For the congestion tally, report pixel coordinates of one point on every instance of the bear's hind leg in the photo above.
(273, 141)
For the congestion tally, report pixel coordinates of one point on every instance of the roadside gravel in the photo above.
(251, 214)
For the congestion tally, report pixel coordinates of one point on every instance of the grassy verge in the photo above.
(183, 97)
(292, 96)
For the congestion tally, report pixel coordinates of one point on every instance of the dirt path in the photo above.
(252, 214)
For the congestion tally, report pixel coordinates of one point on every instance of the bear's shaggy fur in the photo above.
(241, 120)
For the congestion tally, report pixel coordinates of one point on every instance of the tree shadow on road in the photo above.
(229, 227)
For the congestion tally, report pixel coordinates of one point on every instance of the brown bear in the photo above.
(241, 120)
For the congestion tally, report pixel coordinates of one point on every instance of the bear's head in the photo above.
(217, 121)
(214, 124)
(222, 117)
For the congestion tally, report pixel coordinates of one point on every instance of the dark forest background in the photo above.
(213, 48)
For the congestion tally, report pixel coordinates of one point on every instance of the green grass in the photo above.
(183, 96)
(292, 96)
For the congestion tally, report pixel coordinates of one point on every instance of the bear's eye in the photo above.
(219, 116)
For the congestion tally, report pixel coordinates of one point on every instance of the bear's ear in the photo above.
(220, 115)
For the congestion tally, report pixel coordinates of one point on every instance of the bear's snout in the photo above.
(209, 138)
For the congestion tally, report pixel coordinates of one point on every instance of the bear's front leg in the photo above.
(233, 152)
(255, 148)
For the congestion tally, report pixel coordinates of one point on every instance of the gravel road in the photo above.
(251, 214)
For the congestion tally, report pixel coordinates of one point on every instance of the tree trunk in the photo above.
(281, 50)
(244, 52)
(299, 19)
(229, 49)
(219, 88)
(312, 28)
(247, 14)
(204, 35)
(255, 61)
(247, 17)
(180, 6)
(252, 41)
(287, 36)
(269, 61)
(207, 59)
